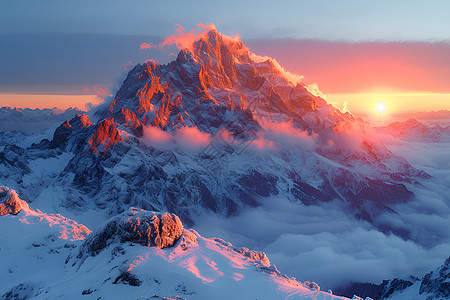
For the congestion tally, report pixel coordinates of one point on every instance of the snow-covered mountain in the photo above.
(32, 120)
(135, 255)
(217, 130)
(413, 130)
(434, 285)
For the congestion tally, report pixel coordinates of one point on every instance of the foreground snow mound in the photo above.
(136, 255)
(66, 229)
(34, 246)
(148, 254)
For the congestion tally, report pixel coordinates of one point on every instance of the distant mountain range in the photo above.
(32, 120)
(413, 130)
(430, 115)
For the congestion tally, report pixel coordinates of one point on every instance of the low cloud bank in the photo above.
(327, 245)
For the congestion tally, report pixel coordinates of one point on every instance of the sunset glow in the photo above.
(381, 107)
(82, 102)
(401, 102)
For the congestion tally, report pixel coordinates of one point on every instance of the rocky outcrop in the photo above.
(436, 284)
(377, 291)
(104, 137)
(66, 130)
(256, 256)
(10, 202)
(150, 229)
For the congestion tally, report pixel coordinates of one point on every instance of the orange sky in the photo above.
(48, 101)
(406, 76)
(365, 103)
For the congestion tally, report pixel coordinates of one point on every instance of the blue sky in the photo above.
(354, 20)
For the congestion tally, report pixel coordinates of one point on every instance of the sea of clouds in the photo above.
(327, 245)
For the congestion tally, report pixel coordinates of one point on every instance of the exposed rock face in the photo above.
(151, 229)
(377, 291)
(436, 284)
(10, 202)
(66, 130)
(105, 136)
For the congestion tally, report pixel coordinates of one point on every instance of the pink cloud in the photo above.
(191, 138)
(293, 78)
(283, 135)
(158, 138)
(101, 92)
(146, 46)
(183, 40)
(127, 64)
(183, 139)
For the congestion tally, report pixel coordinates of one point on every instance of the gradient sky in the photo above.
(351, 49)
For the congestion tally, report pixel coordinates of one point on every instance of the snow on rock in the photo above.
(10, 202)
(149, 229)
(433, 286)
(436, 284)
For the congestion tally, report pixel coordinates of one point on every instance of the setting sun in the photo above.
(381, 107)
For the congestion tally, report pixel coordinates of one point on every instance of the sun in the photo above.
(381, 107)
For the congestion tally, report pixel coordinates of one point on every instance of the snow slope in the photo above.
(49, 257)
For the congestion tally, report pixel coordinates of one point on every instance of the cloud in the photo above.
(158, 138)
(127, 64)
(182, 39)
(293, 78)
(186, 139)
(191, 138)
(147, 46)
(325, 244)
(102, 95)
(283, 136)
